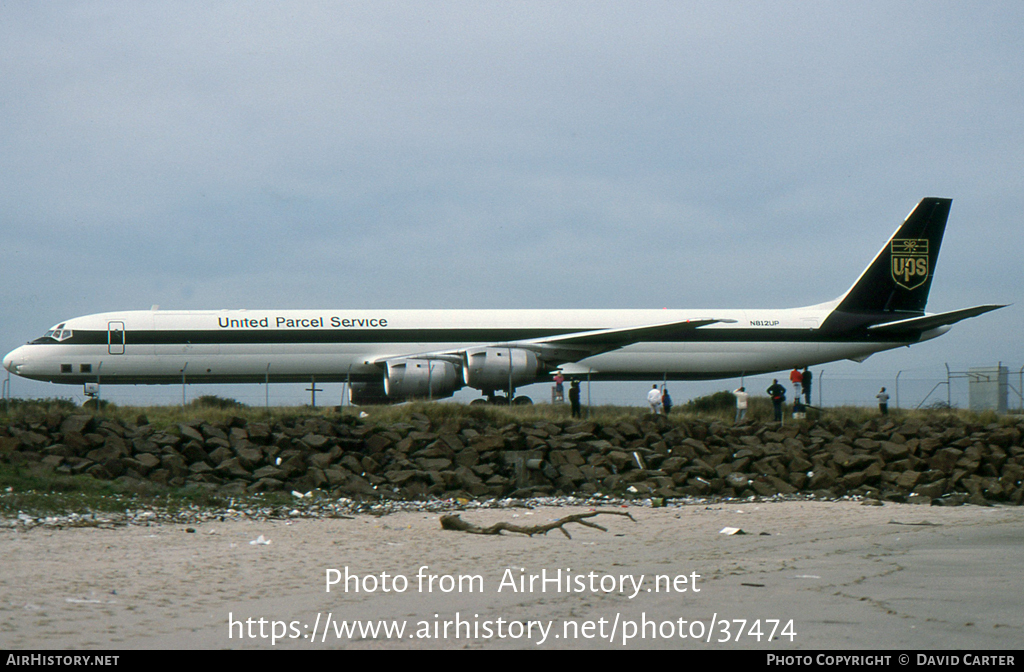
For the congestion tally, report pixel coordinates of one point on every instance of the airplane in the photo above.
(390, 356)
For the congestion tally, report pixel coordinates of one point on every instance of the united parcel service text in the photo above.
(333, 321)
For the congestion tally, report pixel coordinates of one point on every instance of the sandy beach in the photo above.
(817, 575)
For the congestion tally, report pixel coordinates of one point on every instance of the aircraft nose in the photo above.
(9, 361)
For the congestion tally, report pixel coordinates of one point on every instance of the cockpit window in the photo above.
(58, 333)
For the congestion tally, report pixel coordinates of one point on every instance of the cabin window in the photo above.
(85, 368)
(65, 368)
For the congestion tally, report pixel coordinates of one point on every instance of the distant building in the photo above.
(987, 388)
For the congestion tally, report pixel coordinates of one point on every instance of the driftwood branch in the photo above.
(454, 522)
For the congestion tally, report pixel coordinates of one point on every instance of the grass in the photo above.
(213, 409)
(26, 489)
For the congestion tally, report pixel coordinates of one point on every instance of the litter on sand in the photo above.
(731, 531)
(260, 541)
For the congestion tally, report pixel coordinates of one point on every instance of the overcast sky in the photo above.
(506, 154)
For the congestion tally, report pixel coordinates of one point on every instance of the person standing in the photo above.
(778, 395)
(654, 399)
(796, 378)
(666, 401)
(559, 390)
(742, 400)
(574, 398)
(805, 382)
(883, 401)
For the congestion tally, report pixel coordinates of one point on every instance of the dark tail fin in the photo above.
(899, 278)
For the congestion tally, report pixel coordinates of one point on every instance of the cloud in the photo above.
(526, 154)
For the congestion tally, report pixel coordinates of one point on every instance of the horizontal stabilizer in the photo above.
(926, 322)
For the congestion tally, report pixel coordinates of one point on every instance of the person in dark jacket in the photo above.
(666, 401)
(778, 395)
(806, 383)
(574, 398)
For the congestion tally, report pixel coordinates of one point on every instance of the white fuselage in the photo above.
(335, 345)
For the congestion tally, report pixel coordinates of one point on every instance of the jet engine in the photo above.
(490, 369)
(368, 394)
(420, 379)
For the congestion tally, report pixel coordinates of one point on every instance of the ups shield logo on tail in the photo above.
(909, 262)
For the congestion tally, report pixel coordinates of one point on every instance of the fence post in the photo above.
(898, 388)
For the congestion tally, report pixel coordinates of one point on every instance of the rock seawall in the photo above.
(941, 460)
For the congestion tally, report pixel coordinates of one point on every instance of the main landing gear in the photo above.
(502, 400)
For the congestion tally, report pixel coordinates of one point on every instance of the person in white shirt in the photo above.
(883, 401)
(742, 399)
(654, 399)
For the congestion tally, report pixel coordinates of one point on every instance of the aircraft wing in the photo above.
(578, 345)
(926, 322)
(619, 337)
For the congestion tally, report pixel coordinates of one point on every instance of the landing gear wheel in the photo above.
(479, 402)
(522, 401)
